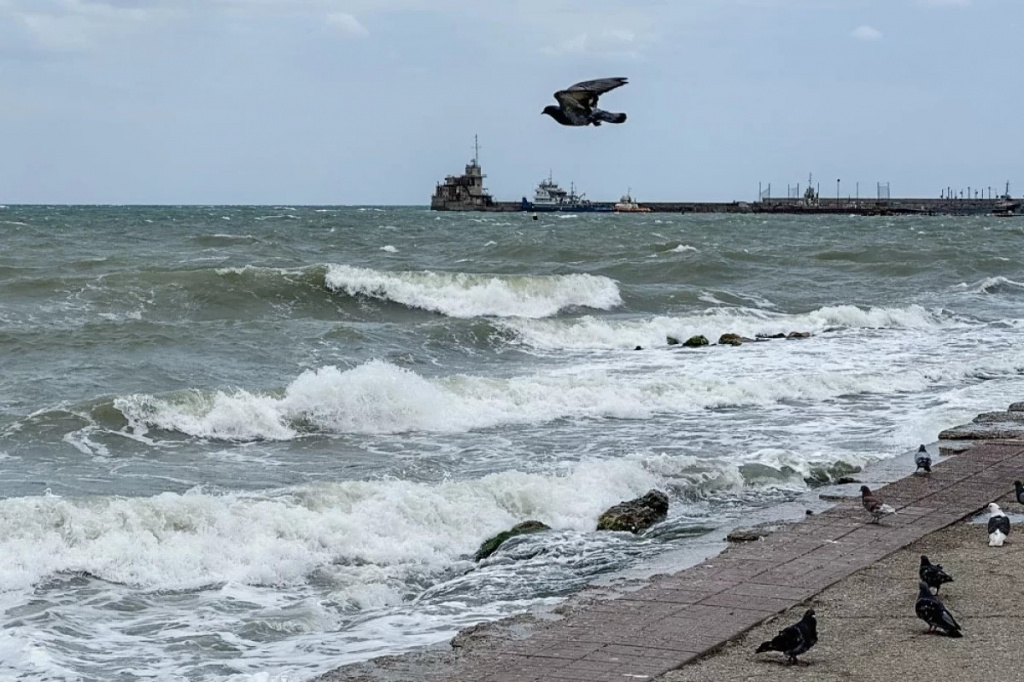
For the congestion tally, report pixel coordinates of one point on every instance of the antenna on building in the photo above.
(476, 150)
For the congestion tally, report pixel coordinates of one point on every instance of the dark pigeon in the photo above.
(923, 460)
(577, 105)
(931, 610)
(932, 574)
(874, 505)
(1020, 491)
(795, 639)
(998, 526)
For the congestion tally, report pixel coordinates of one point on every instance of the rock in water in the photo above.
(636, 515)
(795, 639)
(491, 545)
(1020, 491)
(696, 341)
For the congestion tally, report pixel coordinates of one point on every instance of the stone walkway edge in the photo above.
(680, 617)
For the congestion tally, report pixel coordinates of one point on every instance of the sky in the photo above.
(375, 101)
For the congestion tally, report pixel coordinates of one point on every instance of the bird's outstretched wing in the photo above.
(583, 95)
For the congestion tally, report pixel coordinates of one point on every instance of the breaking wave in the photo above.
(473, 295)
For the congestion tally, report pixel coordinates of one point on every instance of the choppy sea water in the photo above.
(242, 443)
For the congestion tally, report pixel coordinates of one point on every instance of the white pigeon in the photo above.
(998, 526)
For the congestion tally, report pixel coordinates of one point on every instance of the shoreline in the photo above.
(647, 627)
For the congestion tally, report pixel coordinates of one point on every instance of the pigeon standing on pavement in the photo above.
(998, 525)
(1020, 491)
(874, 505)
(931, 610)
(923, 460)
(932, 574)
(795, 639)
(577, 104)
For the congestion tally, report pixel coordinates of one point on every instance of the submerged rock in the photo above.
(836, 473)
(730, 340)
(747, 534)
(696, 341)
(799, 335)
(491, 545)
(637, 514)
(1017, 407)
(671, 340)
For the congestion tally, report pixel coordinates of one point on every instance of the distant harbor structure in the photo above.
(466, 192)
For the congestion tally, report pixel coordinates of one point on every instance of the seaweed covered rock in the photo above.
(840, 472)
(636, 515)
(491, 545)
(730, 340)
(696, 341)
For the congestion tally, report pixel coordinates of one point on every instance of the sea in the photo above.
(255, 443)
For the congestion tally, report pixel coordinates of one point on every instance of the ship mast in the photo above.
(476, 150)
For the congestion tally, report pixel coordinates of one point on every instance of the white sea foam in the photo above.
(369, 535)
(991, 285)
(379, 397)
(389, 248)
(471, 295)
(683, 248)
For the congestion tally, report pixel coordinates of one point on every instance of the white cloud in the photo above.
(868, 33)
(77, 25)
(347, 23)
(610, 42)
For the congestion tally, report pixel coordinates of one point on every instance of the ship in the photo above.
(1007, 206)
(464, 192)
(549, 196)
(627, 204)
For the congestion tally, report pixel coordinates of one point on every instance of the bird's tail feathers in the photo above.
(886, 509)
(608, 116)
(765, 646)
(996, 538)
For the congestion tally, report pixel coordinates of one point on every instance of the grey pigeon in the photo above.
(923, 460)
(931, 610)
(932, 574)
(874, 505)
(795, 639)
(577, 105)
(1020, 491)
(998, 525)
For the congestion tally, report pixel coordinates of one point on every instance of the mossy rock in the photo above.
(730, 340)
(491, 545)
(696, 341)
(834, 473)
(635, 515)
(671, 340)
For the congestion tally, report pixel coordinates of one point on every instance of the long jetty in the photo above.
(833, 206)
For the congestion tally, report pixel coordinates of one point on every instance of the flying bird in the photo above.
(998, 525)
(1020, 491)
(874, 505)
(932, 574)
(577, 105)
(931, 610)
(795, 639)
(923, 460)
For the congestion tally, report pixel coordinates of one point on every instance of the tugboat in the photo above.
(549, 196)
(628, 205)
(1006, 207)
(464, 192)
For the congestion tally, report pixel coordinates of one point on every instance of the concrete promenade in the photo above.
(677, 618)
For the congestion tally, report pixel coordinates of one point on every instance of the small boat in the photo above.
(628, 205)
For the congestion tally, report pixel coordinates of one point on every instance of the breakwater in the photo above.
(842, 206)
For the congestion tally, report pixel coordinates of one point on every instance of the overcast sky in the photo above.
(373, 101)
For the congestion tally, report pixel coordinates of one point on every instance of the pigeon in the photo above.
(931, 610)
(998, 526)
(875, 506)
(577, 105)
(1020, 491)
(932, 574)
(923, 460)
(795, 639)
